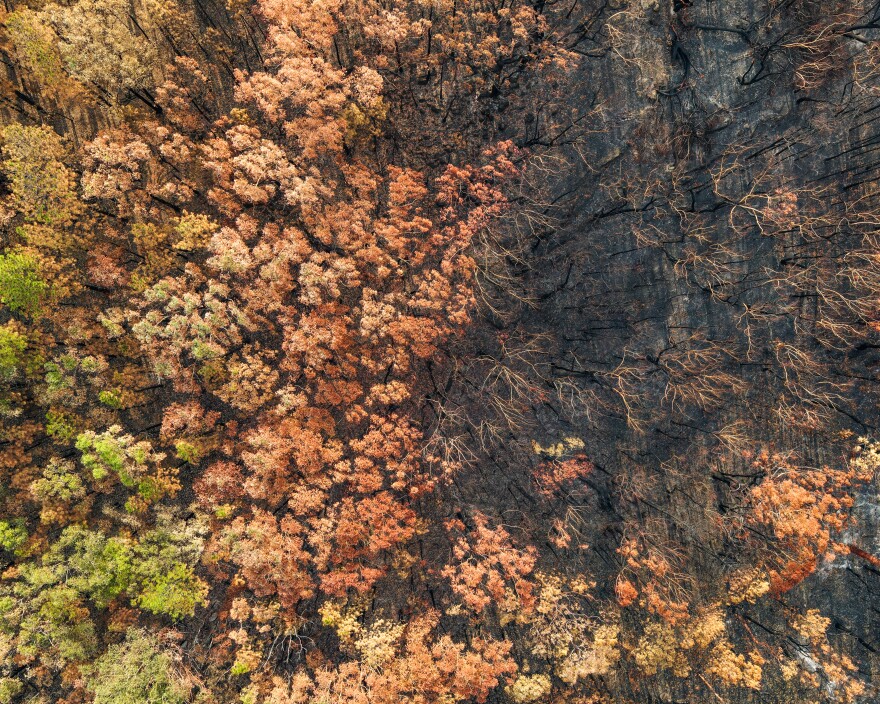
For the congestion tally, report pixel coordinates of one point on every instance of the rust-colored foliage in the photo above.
(803, 509)
(290, 290)
(488, 567)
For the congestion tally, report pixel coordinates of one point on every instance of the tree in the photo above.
(13, 534)
(9, 689)
(138, 671)
(42, 186)
(301, 254)
(12, 347)
(113, 163)
(271, 555)
(135, 464)
(164, 559)
(52, 626)
(177, 592)
(488, 568)
(60, 490)
(802, 509)
(404, 663)
(36, 46)
(155, 573)
(351, 540)
(100, 44)
(21, 286)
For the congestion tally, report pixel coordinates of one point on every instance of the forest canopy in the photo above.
(440, 352)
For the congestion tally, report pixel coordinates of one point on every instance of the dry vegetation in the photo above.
(438, 352)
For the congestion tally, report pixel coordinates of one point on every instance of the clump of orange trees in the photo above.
(266, 259)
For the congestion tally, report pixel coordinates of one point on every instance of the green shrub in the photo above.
(187, 452)
(239, 668)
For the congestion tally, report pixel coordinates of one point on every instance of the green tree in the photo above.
(60, 426)
(9, 689)
(71, 377)
(36, 46)
(138, 671)
(51, 620)
(12, 347)
(134, 462)
(176, 593)
(111, 398)
(164, 560)
(87, 561)
(21, 287)
(13, 534)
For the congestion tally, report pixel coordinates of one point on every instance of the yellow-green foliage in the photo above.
(43, 189)
(138, 671)
(194, 231)
(343, 619)
(59, 482)
(36, 46)
(9, 689)
(12, 534)
(21, 286)
(12, 347)
(176, 592)
(362, 122)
